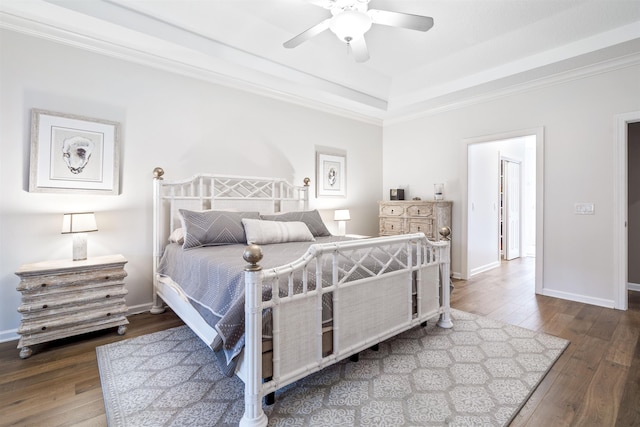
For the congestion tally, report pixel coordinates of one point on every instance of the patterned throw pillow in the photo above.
(311, 218)
(211, 228)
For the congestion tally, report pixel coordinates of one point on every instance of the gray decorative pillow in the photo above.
(210, 228)
(311, 218)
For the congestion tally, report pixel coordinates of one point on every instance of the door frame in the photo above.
(505, 210)
(620, 203)
(539, 134)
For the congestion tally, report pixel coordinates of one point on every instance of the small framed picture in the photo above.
(331, 174)
(73, 154)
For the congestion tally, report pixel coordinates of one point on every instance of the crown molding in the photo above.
(416, 112)
(357, 106)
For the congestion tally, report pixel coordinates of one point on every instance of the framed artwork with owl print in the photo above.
(73, 154)
(331, 174)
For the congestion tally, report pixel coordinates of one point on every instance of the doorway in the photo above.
(478, 256)
(510, 207)
(621, 202)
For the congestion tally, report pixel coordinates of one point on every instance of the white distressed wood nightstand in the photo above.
(65, 298)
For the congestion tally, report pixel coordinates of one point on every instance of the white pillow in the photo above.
(177, 236)
(264, 232)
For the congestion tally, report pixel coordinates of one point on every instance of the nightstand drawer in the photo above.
(40, 303)
(105, 314)
(51, 283)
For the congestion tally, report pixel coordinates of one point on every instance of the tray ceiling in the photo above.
(476, 49)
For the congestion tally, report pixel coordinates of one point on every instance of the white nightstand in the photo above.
(65, 298)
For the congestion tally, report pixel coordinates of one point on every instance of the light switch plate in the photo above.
(584, 208)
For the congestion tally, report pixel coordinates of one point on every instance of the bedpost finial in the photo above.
(158, 172)
(253, 255)
(445, 232)
(306, 181)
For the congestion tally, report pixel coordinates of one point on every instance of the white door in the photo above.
(511, 210)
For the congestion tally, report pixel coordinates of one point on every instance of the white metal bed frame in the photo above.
(366, 310)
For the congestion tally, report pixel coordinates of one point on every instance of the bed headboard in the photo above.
(209, 191)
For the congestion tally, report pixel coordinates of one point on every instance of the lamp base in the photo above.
(342, 228)
(79, 246)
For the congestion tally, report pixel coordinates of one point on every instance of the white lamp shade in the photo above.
(342, 215)
(83, 222)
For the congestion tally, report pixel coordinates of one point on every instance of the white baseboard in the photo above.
(10, 335)
(484, 268)
(137, 309)
(633, 286)
(579, 298)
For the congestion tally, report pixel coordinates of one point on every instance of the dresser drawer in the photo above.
(421, 226)
(391, 209)
(420, 210)
(391, 226)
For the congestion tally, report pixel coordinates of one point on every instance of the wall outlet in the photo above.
(584, 209)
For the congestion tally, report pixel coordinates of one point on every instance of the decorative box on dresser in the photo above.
(414, 216)
(65, 298)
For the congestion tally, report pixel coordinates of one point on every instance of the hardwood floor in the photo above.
(596, 382)
(60, 384)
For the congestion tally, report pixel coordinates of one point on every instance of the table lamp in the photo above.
(342, 216)
(79, 224)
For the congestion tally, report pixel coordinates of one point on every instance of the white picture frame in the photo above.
(331, 175)
(73, 154)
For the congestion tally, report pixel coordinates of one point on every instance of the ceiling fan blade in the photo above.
(306, 35)
(399, 19)
(359, 49)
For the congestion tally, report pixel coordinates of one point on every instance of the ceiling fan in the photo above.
(351, 19)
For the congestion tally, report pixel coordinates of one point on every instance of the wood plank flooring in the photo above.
(596, 382)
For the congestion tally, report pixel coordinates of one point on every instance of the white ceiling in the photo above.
(476, 49)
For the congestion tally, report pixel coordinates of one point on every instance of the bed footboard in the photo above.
(378, 288)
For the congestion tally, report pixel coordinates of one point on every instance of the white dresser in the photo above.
(65, 298)
(414, 216)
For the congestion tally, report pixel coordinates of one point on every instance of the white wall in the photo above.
(483, 205)
(577, 117)
(181, 124)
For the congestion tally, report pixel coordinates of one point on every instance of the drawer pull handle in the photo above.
(392, 227)
(418, 228)
(44, 328)
(391, 210)
(418, 211)
(108, 314)
(45, 306)
(44, 285)
(106, 277)
(108, 296)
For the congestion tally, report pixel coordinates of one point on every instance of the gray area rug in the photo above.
(481, 372)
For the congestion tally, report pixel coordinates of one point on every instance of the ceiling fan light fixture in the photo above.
(350, 25)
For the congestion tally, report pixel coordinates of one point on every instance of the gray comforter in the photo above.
(213, 279)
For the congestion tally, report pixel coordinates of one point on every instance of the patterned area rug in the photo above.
(481, 372)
